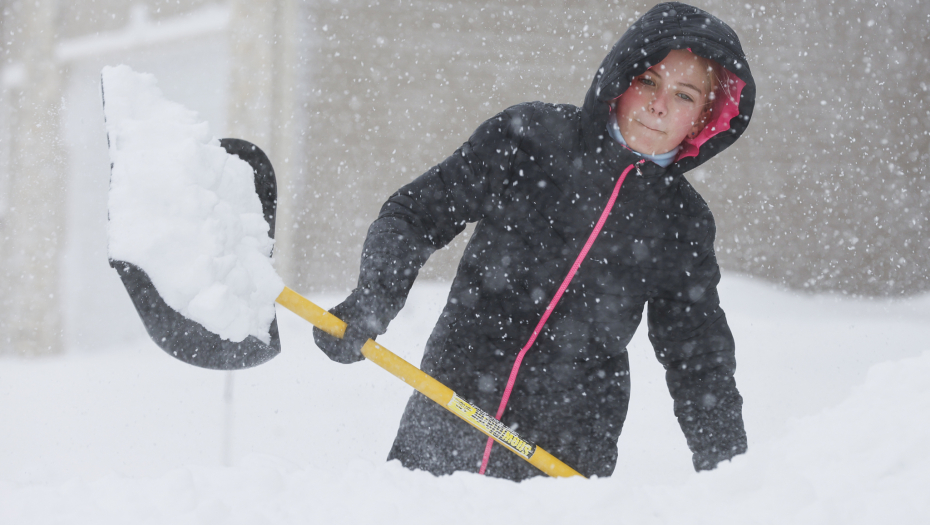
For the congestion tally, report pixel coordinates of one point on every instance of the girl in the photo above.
(584, 217)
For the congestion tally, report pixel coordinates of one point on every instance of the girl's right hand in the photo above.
(348, 349)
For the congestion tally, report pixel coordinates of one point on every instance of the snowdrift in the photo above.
(846, 445)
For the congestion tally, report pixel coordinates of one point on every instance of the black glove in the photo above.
(708, 460)
(360, 328)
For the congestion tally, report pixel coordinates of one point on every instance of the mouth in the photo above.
(647, 127)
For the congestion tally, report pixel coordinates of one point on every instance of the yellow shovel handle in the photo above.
(429, 387)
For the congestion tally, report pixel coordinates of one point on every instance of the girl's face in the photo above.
(665, 104)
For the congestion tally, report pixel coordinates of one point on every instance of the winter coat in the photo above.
(535, 178)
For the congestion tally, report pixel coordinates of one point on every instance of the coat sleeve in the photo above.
(689, 332)
(426, 214)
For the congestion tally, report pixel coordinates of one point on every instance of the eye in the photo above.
(686, 97)
(647, 81)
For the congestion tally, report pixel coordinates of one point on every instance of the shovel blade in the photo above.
(185, 339)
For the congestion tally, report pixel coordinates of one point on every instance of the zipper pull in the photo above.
(638, 171)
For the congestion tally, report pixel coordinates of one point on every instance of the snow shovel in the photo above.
(190, 342)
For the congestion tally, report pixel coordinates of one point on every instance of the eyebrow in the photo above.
(683, 84)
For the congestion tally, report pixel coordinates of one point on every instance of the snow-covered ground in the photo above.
(837, 407)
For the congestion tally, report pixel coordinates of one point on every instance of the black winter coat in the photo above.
(535, 178)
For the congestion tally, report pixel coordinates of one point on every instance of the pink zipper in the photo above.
(552, 305)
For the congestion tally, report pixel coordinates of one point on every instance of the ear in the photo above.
(697, 127)
(701, 122)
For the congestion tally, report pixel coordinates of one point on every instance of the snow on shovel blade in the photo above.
(188, 340)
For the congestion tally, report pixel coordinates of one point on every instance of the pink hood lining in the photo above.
(725, 108)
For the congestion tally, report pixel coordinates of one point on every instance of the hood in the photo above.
(668, 26)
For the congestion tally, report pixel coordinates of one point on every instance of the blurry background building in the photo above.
(827, 191)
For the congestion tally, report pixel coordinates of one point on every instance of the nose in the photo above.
(658, 105)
